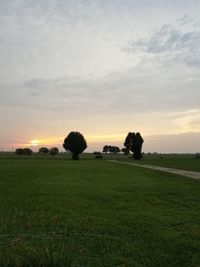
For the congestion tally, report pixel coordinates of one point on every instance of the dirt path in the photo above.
(191, 174)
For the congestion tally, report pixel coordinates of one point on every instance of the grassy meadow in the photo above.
(176, 161)
(58, 212)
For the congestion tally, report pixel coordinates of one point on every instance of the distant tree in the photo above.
(111, 149)
(75, 143)
(133, 143)
(27, 151)
(19, 151)
(97, 155)
(54, 151)
(114, 149)
(125, 151)
(43, 150)
(106, 149)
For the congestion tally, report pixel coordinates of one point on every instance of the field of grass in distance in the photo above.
(56, 212)
(176, 161)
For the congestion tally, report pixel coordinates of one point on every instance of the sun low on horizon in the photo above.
(35, 142)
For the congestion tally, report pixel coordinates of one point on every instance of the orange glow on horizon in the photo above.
(35, 142)
(55, 141)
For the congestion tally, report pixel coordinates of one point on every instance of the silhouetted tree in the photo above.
(137, 146)
(128, 141)
(97, 155)
(75, 143)
(133, 143)
(53, 151)
(114, 149)
(19, 151)
(27, 151)
(111, 149)
(125, 151)
(43, 150)
(23, 151)
(106, 149)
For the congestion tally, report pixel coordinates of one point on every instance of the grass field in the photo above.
(178, 161)
(57, 212)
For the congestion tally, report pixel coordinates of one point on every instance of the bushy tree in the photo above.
(43, 150)
(23, 151)
(125, 151)
(54, 151)
(114, 149)
(137, 146)
(27, 151)
(97, 155)
(111, 149)
(19, 151)
(133, 143)
(106, 149)
(75, 143)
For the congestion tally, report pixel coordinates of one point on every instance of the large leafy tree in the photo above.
(133, 143)
(75, 143)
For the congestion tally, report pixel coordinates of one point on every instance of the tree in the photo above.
(27, 151)
(23, 151)
(106, 149)
(75, 143)
(114, 149)
(125, 151)
(43, 150)
(128, 141)
(137, 146)
(111, 149)
(19, 151)
(53, 151)
(133, 143)
(97, 155)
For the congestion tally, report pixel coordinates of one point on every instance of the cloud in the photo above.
(185, 20)
(170, 40)
(143, 88)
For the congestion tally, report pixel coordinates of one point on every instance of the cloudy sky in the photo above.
(101, 67)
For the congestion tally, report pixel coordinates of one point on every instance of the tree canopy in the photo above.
(110, 149)
(54, 151)
(43, 150)
(133, 143)
(75, 143)
(23, 151)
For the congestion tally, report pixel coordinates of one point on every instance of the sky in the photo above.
(101, 67)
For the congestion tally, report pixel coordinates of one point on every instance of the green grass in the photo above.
(183, 162)
(56, 212)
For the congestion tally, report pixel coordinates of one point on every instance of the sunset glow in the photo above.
(35, 142)
(83, 66)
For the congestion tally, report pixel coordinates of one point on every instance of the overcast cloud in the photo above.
(101, 67)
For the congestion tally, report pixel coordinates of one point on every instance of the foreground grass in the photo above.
(56, 212)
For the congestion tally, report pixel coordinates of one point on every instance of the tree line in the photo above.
(43, 150)
(75, 143)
